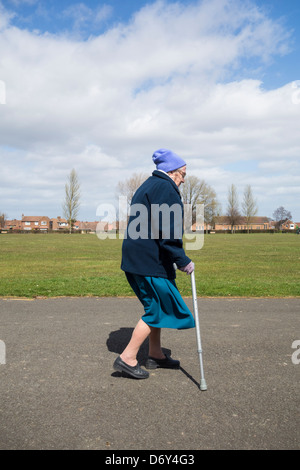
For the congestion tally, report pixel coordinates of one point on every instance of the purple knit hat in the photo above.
(167, 160)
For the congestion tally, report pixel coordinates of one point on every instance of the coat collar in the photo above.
(166, 177)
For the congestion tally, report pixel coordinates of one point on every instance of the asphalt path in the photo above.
(58, 389)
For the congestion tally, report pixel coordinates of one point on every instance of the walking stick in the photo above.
(203, 385)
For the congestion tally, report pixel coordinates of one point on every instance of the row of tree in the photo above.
(71, 202)
(249, 207)
(195, 191)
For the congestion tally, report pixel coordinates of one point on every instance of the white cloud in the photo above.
(176, 76)
(5, 17)
(84, 16)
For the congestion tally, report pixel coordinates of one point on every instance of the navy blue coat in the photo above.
(150, 245)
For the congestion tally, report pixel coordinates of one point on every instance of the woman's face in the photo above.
(179, 175)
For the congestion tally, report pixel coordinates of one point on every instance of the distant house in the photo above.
(86, 227)
(272, 224)
(288, 225)
(257, 223)
(11, 225)
(58, 224)
(201, 227)
(97, 226)
(41, 223)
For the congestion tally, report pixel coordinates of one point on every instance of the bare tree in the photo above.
(192, 190)
(212, 207)
(72, 196)
(195, 191)
(281, 215)
(3, 218)
(128, 187)
(233, 214)
(249, 206)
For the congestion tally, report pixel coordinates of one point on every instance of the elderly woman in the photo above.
(148, 258)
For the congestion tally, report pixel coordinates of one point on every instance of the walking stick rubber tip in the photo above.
(203, 385)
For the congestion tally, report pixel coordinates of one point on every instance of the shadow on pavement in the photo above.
(118, 340)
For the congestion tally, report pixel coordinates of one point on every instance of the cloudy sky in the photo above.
(100, 85)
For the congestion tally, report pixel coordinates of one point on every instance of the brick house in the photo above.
(201, 227)
(59, 224)
(87, 227)
(41, 223)
(288, 225)
(257, 223)
(92, 227)
(11, 225)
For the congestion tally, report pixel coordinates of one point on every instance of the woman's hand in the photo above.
(189, 268)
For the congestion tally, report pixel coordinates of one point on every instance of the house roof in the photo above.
(59, 220)
(13, 223)
(87, 225)
(34, 218)
(242, 221)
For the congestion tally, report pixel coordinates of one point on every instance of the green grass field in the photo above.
(251, 265)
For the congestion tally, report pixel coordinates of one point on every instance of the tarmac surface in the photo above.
(58, 389)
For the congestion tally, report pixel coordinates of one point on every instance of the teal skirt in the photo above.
(164, 307)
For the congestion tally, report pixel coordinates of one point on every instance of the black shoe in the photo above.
(167, 363)
(137, 372)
